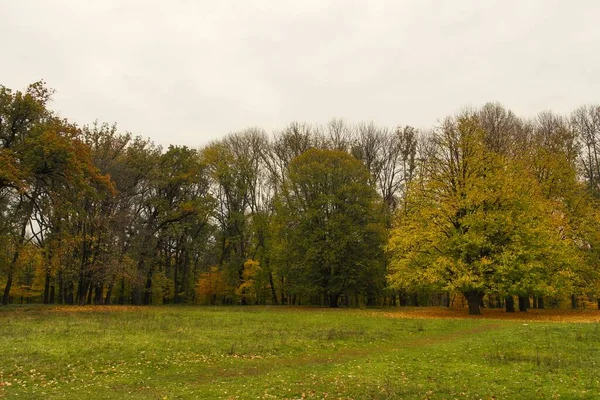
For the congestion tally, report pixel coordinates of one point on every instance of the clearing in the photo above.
(191, 352)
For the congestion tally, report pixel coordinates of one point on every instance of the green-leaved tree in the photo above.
(330, 225)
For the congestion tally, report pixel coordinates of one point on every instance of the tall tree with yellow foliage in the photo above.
(476, 222)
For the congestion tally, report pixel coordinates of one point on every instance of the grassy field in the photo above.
(278, 353)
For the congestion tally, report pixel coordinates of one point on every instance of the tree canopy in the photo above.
(331, 230)
(486, 204)
(477, 222)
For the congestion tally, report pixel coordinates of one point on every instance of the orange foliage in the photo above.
(210, 285)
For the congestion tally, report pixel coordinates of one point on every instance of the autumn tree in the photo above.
(175, 207)
(235, 168)
(552, 156)
(475, 223)
(69, 185)
(184, 230)
(20, 115)
(585, 123)
(50, 162)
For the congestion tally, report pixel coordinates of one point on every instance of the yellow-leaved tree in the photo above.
(211, 286)
(476, 222)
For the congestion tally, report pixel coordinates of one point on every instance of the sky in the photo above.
(189, 72)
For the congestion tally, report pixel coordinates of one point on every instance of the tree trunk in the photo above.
(108, 297)
(402, 299)
(333, 300)
(184, 275)
(273, 292)
(574, 302)
(52, 293)
(46, 298)
(61, 290)
(15, 257)
(474, 299)
(499, 302)
(89, 292)
(415, 300)
(64, 295)
(491, 303)
(598, 303)
(148, 289)
(523, 303)
(13, 263)
(81, 290)
(136, 296)
(175, 275)
(446, 299)
(99, 289)
(540, 303)
(122, 292)
(371, 300)
(6, 295)
(70, 293)
(509, 302)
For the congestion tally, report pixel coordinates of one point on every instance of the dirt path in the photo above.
(265, 366)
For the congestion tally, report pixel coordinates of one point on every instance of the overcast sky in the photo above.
(187, 72)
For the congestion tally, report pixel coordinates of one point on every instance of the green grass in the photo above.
(276, 353)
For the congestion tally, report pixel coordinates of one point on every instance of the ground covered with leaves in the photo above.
(291, 353)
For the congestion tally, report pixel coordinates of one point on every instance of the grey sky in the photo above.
(186, 72)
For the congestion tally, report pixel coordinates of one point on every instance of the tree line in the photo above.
(486, 205)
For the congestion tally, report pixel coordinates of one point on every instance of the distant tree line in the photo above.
(486, 205)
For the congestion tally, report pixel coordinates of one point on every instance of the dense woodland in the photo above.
(486, 206)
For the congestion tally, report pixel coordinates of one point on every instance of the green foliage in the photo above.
(490, 203)
(332, 233)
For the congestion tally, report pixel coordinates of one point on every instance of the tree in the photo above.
(235, 167)
(585, 122)
(69, 185)
(552, 157)
(52, 165)
(177, 206)
(390, 157)
(330, 224)
(183, 231)
(21, 114)
(476, 223)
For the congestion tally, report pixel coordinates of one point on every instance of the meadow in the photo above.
(190, 352)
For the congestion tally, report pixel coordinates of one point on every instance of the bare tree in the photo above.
(586, 124)
(501, 128)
